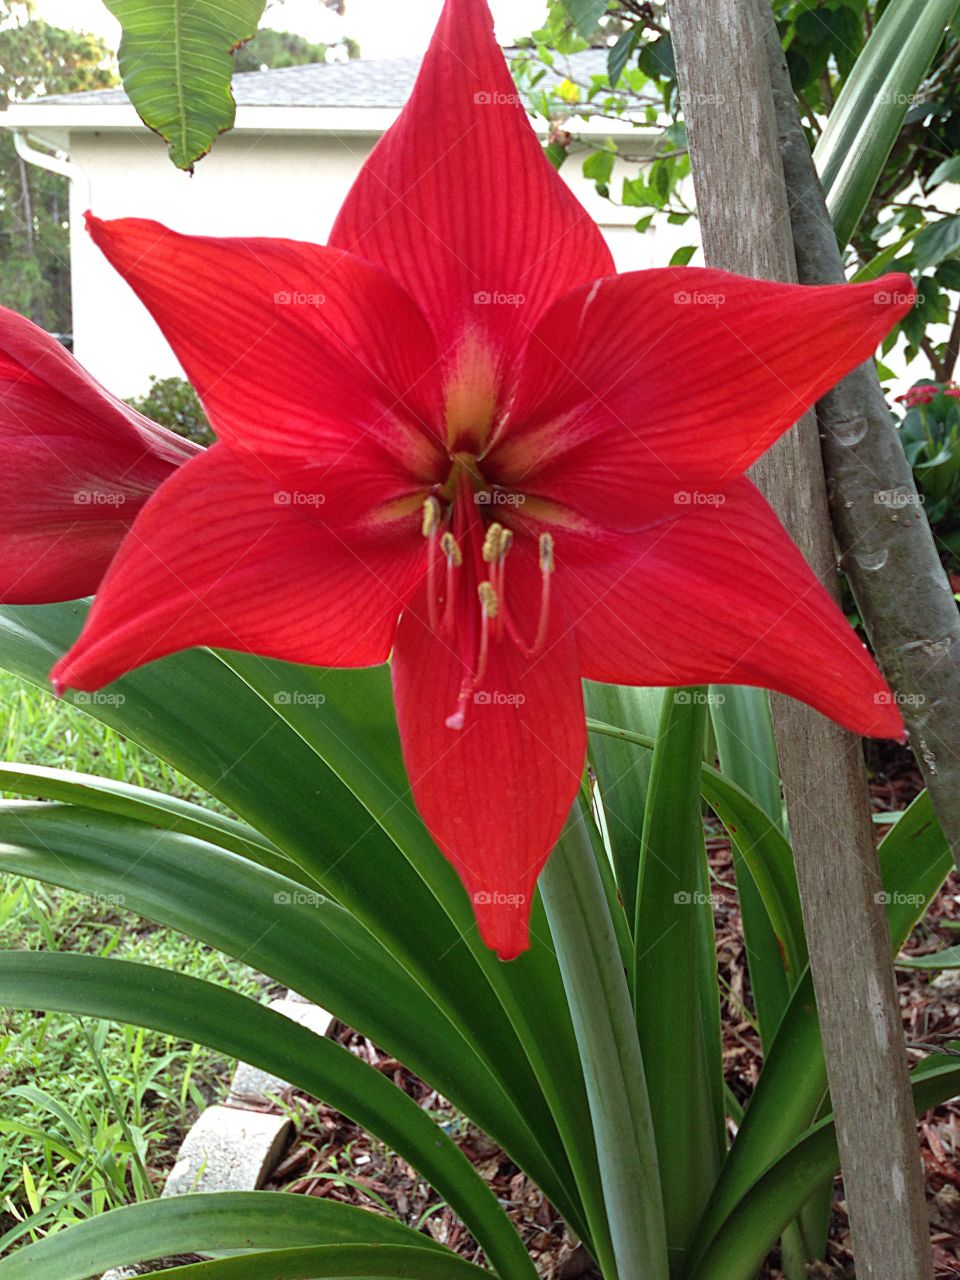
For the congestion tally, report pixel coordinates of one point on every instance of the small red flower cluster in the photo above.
(925, 392)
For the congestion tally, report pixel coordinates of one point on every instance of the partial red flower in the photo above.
(78, 465)
(455, 436)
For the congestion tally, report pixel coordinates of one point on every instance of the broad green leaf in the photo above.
(869, 112)
(293, 935)
(949, 171)
(202, 1223)
(240, 1028)
(585, 14)
(936, 242)
(176, 65)
(675, 984)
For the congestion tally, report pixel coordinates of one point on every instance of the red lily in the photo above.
(78, 465)
(457, 416)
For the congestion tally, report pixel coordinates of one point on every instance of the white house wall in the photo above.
(251, 184)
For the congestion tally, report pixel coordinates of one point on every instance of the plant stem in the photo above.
(602, 1014)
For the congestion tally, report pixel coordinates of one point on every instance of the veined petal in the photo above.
(78, 465)
(459, 203)
(495, 793)
(291, 347)
(719, 595)
(659, 379)
(214, 559)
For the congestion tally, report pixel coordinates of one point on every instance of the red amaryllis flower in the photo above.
(454, 434)
(78, 465)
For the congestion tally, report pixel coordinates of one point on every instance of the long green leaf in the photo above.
(870, 110)
(675, 987)
(599, 1000)
(295, 936)
(176, 64)
(215, 726)
(169, 812)
(748, 757)
(202, 1224)
(914, 861)
(738, 1249)
(194, 1010)
(623, 776)
(329, 1262)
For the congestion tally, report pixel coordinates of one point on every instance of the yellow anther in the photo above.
(506, 542)
(451, 549)
(488, 600)
(491, 543)
(431, 516)
(546, 553)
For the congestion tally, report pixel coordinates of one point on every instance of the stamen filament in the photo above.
(489, 610)
(431, 523)
(547, 566)
(451, 549)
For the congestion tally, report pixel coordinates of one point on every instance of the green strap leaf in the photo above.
(201, 1224)
(372, 1261)
(775, 1199)
(870, 110)
(200, 1011)
(296, 936)
(675, 989)
(176, 64)
(226, 732)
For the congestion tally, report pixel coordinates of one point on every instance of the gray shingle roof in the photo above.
(375, 83)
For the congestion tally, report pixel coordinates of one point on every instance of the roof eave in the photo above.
(54, 122)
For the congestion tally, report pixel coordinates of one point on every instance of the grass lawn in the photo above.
(93, 1112)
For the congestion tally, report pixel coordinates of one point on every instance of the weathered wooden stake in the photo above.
(744, 217)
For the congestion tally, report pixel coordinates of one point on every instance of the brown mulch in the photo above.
(334, 1158)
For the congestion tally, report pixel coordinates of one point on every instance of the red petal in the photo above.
(495, 793)
(78, 464)
(658, 379)
(214, 560)
(293, 348)
(719, 595)
(459, 203)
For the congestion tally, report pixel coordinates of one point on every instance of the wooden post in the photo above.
(745, 222)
